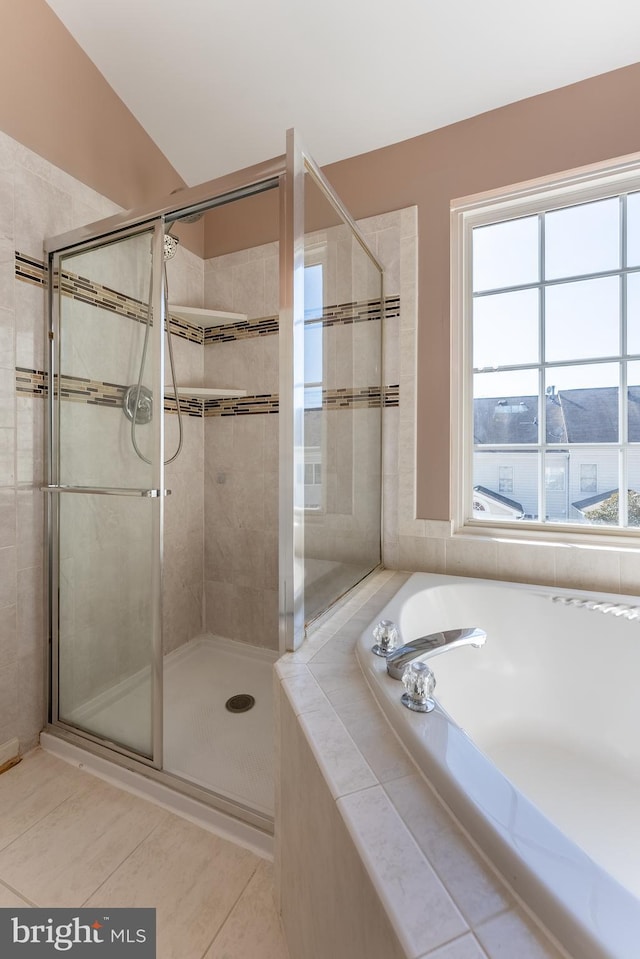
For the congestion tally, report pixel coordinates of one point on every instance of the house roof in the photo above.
(499, 498)
(589, 415)
(505, 419)
(591, 501)
(573, 416)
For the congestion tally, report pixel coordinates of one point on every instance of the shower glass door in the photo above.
(330, 400)
(106, 490)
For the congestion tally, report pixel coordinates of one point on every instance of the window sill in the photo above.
(621, 540)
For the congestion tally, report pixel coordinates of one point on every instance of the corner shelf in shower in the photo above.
(202, 392)
(205, 318)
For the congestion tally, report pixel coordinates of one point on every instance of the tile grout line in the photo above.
(36, 822)
(20, 895)
(479, 944)
(126, 858)
(450, 942)
(231, 910)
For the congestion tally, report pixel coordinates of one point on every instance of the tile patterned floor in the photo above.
(70, 839)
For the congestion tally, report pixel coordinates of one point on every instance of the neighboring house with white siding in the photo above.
(581, 463)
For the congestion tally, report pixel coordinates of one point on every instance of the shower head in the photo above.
(170, 246)
(190, 217)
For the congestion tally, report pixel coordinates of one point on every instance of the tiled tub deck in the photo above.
(368, 861)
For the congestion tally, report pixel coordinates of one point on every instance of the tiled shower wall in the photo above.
(36, 200)
(184, 510)
(241, 451)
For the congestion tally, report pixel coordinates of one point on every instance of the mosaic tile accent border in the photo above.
(84, 290)
(364, 397)
(95, 392)
(391, 306)
(31, 382)
(189, 405)
(30, 270)
(360, 312)
(242, 330)
(80, 288)
(342, 314)
(367, 397)
(76, 388)
(391, 395)
(186, 330)
(242, 405)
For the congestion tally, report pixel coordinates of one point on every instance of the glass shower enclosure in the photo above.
(106, 505)
(331, 400)
(107, 483)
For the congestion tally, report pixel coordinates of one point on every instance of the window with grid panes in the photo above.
(552, 322)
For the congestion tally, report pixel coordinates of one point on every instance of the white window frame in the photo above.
(593, 182)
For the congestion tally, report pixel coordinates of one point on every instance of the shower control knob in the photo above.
(419, 683)
(386, 635)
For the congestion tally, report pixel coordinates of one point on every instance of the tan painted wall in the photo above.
(56, 102)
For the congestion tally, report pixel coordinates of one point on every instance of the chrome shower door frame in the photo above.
(293, 618)
(54, 489)
(242, 183)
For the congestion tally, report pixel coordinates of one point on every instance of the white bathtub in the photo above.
(534, 745)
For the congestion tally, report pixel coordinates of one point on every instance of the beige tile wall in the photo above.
(36, 200)
(241, 452)
(322, 914)
(241, 458)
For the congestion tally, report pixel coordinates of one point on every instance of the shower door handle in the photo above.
(107, 491)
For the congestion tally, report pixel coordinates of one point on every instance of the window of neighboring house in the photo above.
(588, 477)
(554, 478)
(548, 286)
(505, 479)
(313, 376)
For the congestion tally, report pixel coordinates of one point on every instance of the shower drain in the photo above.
(240, 703)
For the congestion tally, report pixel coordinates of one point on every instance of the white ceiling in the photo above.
(216, 83)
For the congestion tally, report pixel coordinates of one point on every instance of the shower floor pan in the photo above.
(230, 753)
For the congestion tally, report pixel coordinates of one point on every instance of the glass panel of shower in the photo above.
(337, 312)
(341, 456)
(106, 474)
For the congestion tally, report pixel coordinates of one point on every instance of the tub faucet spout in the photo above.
(427, 646)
